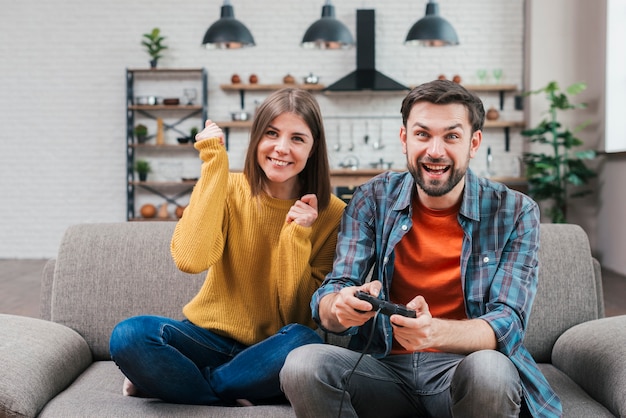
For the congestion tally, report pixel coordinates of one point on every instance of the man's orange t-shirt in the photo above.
(427, 263)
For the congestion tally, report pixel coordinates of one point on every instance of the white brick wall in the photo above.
(62, 90)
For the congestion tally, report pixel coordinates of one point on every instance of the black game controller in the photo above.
(385, 307)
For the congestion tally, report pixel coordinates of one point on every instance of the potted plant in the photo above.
(141, 133)
(153, 42)
(142, 167)
(192, 134)
(555, 175)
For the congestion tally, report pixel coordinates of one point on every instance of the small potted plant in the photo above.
(192, 134)
(142, 167)
(153, 42)
(141, 133)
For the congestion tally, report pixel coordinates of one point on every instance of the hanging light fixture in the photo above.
(432, 29)
(227, 32)
(327, 32)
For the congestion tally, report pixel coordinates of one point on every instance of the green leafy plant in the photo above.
(193, 132)
(141, 132)
(153, 42)
(142, 167)
(555, 176)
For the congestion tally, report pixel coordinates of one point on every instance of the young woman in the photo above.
(267, 238)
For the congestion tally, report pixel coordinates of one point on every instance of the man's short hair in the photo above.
(446, 92)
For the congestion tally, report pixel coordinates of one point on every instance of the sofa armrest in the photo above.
(47, 280)
(38, 359)
(593, 354)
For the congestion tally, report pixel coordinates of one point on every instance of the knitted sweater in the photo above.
(262, 271)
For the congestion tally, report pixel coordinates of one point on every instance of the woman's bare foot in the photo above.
(129, 389)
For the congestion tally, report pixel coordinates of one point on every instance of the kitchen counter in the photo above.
(346, 177)
(349, 178)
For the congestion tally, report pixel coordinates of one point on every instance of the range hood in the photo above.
(366, 77)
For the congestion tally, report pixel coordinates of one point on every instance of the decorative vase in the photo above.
(492, 113)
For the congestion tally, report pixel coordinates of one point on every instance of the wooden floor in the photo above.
(20, 284)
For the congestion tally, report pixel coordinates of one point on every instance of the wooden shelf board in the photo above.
(235, 124)
(187, 146)
(165, 70)
(165, 107)
(162, 183)
(504, 124)
(269, 87)
(488, 124)
(491, 87)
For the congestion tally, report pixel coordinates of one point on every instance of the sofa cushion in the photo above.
(576, 403)
(38, 359)
(98, 393)
(107, 272)
(593, 354)
(567, 293)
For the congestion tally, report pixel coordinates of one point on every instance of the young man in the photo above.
(460, 251)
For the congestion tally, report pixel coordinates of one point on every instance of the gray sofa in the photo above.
(59, 366)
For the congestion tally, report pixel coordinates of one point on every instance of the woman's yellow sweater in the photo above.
(262, 271)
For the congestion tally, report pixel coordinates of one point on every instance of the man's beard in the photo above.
(435, 188)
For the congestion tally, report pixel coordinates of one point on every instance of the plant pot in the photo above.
(142, 139)
(143, 176)
(153, 63)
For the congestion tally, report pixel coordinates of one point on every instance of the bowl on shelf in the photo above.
(147, 100)
(183, 139)
(240, 115)
(171, 101)
(311, 79)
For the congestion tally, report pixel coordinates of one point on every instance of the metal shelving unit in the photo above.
(168, 191)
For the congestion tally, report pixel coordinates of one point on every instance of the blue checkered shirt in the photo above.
(498, 265)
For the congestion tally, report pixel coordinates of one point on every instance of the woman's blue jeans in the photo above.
(180, 362)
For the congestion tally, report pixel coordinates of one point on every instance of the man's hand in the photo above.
(449, 335)
(414, 334)
(304, 211)
(342, 310)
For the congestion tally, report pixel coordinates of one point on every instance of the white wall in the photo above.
(615, 75)
(611, 226)
(62, 92)
(565, 43)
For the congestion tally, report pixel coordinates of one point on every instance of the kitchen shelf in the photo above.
(501, 89)
(163, 184)
(485, 88)
(269, 87)
(164, 70)
(170, 191)
(166, 107)
(504, 124)
(490, 87)
(171, 147)
(241, 124)
(242, 88)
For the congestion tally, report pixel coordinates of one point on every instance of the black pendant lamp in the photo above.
(227, 32)
(432, 29)
(327, 32)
